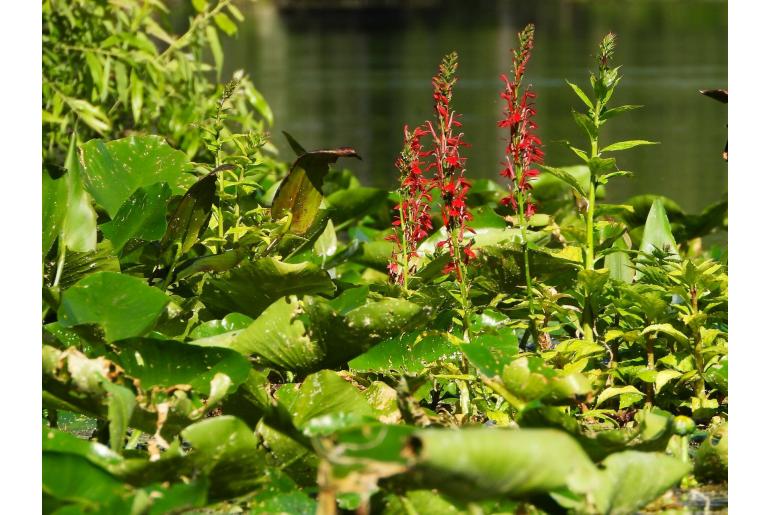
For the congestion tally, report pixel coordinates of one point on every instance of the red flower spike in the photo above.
(524, 147)
(411, 221)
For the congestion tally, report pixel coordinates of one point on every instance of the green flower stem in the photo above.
(650, 366)
(404, 248)
(524, 225)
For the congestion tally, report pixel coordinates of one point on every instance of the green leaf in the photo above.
(300, 192)
(580, 182)
(657, 231)
(355, 203)
(112, 171)
(79, 265)
(143, 216)
(623, 145)
(200, 5)
(490, 353)
(237, 290)
(159, 363)
(326, 403)
(409, 353)
(632, 479)
(669, 330)
(586, 123)
(123, 306)
(530, 379)
(620, 265)
(485, 462)
(259, 103)
(224, 22)
(72, 478)
(190, 218)
(137, 95)
(79, 224)
(609, 113)
(326, 244)
(54, 207)
(216, 48)
(581, 95)
(91, 115)
(120, 406)
(611, 392)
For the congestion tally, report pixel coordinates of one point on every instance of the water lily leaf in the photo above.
(409, 353)
(123, 306)
(158, 363)
(79, 225)
(191, 217)
(490, 353)
(231, 322)
(657, 231)
(74, 479)
(225, 449)
(492, 462)
(308, 334)
(300, 192)
(326, 403)
(112, 171)
(142, 216)
(631, 479)
(252, 286)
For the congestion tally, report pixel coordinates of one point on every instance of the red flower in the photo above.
(412, 220)
(524, 147)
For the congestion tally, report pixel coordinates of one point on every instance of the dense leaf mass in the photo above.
(229, 331)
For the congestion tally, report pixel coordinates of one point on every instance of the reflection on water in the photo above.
(355, 77)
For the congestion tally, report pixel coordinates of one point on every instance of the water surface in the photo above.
(356, 76)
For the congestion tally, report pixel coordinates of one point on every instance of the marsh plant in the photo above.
(229, 332)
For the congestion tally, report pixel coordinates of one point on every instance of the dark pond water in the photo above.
(356, 76)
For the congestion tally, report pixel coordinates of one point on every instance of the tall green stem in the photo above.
(404, 248)
(588, 323)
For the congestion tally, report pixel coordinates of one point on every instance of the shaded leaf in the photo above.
(142, 216)
(300, 192)
(251, 287)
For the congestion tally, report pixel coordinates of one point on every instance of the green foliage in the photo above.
(224, 323)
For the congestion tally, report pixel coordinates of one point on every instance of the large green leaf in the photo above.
(478, 462)
(408, 353)
(158, 363)
(142, 216)
(326, 402)
(72, 478)
(300, 192)
(307, 334)
(578, 177)
(490, 353)
(112, 171)
(122, 305)
(251, 287)
(632, 479)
